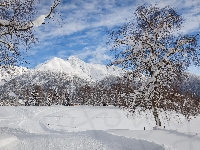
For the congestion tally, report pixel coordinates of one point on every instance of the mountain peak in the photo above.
(73, 59)
(54, 59)
(75, 66)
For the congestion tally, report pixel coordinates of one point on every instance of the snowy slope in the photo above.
(75, 66)
(72, 66)
(50, 128)
(86, 127)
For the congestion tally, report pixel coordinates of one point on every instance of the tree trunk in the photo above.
(154, 104)
(156, 117)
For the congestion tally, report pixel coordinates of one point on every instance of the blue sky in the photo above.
(82, 31)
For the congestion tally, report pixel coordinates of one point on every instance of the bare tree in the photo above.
(17, 20)
(150, 46)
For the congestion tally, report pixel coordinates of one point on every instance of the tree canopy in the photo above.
(17, 19)
(151, 46)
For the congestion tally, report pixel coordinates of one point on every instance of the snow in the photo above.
(38, 21)
(169, 138)
(35, 23)
(8, 74)
(88, 127)
(72, 66)
(4, 22)
(12, 94)
(2, 82)
(7, 139)
(75, 66)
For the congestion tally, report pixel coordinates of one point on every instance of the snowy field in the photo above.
(90, 128)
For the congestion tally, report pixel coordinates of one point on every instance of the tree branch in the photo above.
(9, 46)
(26, 26)
(55, 4)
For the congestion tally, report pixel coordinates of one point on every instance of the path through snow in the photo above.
(85, 140)
(84, 127)
(66, 128)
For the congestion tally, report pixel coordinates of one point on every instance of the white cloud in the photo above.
(68, 28)
(192, 23)
(92, 17)
(84, 15)
(194, 70)
(114, 18)
(31, 52)
(81, 15)
(94, 55)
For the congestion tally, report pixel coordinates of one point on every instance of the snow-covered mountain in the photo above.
(75, 66)
(70, 67)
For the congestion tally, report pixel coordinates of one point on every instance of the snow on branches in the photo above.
(17, 18)
(149, 47)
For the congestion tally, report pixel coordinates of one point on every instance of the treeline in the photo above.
(110, 91)
(57, 88)
(39, 88)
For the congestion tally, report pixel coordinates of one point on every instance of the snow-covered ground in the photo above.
(87, 127)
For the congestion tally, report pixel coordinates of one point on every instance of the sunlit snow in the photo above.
(38, 21)
(75, 66)
(88, 127)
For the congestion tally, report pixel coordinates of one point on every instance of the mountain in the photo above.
(71, 67)
(74, 66)
(54, 79)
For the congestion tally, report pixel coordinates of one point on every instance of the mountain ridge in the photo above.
(71, 66)
(75, 66)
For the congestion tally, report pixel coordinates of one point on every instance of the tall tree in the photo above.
(17, 20)
(150, 46)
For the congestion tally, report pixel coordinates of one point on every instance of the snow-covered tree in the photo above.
(17, 20)
(48, 101)
(35, 96)
(66, 102)
(151, 47)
